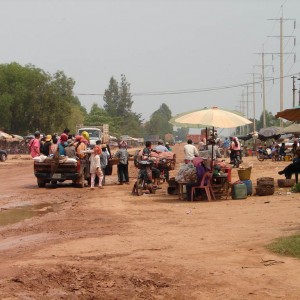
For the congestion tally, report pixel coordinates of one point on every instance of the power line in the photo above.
(191, 91)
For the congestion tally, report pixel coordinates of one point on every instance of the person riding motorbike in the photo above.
(235, 147)
(155, 172)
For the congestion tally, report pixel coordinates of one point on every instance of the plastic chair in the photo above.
(207, 187)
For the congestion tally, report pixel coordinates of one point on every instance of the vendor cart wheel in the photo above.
(260, 157)
(2, 157)
(41, 183)
(139, 187)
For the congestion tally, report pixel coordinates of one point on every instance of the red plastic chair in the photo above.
(207, 187)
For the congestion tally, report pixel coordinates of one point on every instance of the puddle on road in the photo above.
(14, 215)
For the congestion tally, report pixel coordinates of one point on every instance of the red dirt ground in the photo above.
(109, 244)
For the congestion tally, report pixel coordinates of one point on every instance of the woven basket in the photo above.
(265, 191)
(265, 181)
(244, 174)
(286, 182)
(113, 161)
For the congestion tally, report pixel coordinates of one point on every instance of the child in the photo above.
(95, 167)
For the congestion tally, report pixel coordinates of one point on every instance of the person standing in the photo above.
(34, 145)
(226, 145)
(104, 160)
(190, 151)
(122, 155)
(95, 167)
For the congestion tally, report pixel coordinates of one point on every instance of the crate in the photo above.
(244, 173)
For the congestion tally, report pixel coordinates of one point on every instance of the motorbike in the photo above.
(236, 159)
(144, 178)
(263, 154)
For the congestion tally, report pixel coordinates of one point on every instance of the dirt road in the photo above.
(71, 243)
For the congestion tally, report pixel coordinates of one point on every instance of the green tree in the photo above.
(31, 99)
(270, 121)
(118, 106)
(159, 122)
(181, 133)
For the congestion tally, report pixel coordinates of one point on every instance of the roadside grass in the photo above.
(289, 246)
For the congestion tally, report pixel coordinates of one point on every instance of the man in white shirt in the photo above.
(190, 151)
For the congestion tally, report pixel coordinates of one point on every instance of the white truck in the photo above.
(95, 132)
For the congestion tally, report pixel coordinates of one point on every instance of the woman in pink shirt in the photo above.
(34, 145)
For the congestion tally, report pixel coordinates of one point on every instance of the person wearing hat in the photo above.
(70, 149)
(168, 147)
(201, 169)
(47, 145)
(62, 144)
(34, 145)
(80, 146)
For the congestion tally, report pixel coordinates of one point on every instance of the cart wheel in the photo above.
(139, 187)
(41, 183)
(260, 157)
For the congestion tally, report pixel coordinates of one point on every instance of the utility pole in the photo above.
(299, 93)
(281, 57)
(263, 84)
(264, 90)
(253, 98)
(294, 89)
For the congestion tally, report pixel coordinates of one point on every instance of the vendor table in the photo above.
(220, 185)
(180, 188)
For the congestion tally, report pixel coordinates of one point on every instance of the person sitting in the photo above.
(155, 172)
(47, 145)
(70, 149)
(62, 144)
(160, 147)
(294, 167)
(235, 146)
(168, 147)
(282, 150)
(201, 169)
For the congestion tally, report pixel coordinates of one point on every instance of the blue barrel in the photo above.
(238, 190)
(248, 184)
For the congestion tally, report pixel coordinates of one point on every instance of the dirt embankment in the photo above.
(73, 243)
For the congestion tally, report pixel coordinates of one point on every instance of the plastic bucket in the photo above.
(244, 174)
(248, 184)
(238, 191)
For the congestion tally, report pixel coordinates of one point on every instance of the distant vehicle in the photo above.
(3, 155)
(95, 133)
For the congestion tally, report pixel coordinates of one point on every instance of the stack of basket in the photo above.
(265, 186)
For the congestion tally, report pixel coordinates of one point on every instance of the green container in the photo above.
(239, 191)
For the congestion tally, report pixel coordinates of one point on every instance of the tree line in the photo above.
(32, 99)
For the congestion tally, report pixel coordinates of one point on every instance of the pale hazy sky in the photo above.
(165, 45)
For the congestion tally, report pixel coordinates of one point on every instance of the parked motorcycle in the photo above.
(263, 154)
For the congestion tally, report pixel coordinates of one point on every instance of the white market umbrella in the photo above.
(211, 117)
